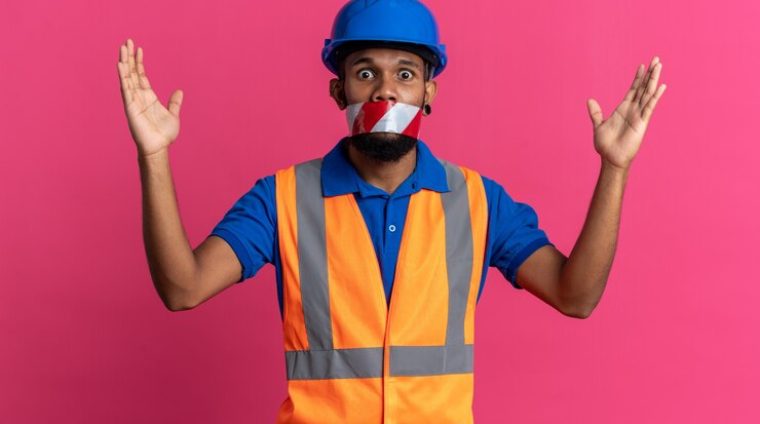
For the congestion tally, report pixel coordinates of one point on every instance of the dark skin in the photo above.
(185, 277)
(383, 74)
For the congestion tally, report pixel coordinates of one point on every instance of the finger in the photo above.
(649, 108)
(126, 90)
(124, 57)
(131, 54)
(132, 64)
(635, 85)
(652, 84)
(124, 75)
(595, 112)
(175, 102)
(642, 85)
(123, 53)
(123, 67)
(144, 83)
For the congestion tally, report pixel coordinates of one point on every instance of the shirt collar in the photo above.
(339, 176)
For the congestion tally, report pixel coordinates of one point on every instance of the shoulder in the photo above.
(499, 203)
(311, 165)
(260, 197)
(265, 186)
(490, 188)
(497, 194)
(457, 174)
(494, 190)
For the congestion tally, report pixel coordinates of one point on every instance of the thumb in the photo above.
(595, 112)
(175, 102)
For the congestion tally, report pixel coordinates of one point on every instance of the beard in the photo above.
(383, 146)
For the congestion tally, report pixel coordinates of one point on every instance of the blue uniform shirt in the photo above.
(250, 226)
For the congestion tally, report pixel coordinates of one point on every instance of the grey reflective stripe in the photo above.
(459, 245)
(431, 360)
(337, 363)
(312, 255)
(368, 362)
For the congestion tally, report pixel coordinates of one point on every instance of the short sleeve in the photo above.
(249, 227)
(514, 233)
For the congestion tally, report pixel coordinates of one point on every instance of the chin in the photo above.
(383, 146)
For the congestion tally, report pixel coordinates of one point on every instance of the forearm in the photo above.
(170, 256)
(585, 273)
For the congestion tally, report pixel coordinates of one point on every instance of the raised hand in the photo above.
(617, 139)
(153, 126)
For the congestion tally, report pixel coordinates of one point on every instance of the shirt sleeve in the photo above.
(249, 227)
(513, 231)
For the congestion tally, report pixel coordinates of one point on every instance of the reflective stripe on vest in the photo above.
(336, 322)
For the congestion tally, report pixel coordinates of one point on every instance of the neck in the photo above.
(386, 176)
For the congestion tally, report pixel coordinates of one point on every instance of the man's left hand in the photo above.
(617, 139)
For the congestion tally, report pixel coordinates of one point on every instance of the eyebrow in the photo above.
(366, 59)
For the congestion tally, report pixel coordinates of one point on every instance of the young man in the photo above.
(380, 248)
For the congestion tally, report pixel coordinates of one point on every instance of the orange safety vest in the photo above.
(350, 358)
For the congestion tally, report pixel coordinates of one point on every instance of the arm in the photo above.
(182, 277)
(575, 285)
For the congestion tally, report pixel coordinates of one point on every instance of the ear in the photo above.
(337, 93)
(431, 89)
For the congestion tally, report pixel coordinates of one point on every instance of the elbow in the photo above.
(580, 310)
(177, 307)
(175, 298)
(579, 314)
(580, 307)
(182, 302)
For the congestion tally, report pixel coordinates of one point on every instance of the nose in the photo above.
(385, 90)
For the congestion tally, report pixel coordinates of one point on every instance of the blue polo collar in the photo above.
(339, 176)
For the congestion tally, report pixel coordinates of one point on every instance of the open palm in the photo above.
(617, 139)
(153, 126)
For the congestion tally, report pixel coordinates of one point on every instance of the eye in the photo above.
(406, 75)
(365, 73)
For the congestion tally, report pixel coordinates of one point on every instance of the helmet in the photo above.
(402, 24)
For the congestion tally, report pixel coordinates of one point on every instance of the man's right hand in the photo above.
(153, 126)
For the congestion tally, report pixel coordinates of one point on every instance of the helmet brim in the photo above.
(338, 50)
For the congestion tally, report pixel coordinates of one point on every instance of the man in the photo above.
(380, 248)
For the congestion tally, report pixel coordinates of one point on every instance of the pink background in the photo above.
(84, 337)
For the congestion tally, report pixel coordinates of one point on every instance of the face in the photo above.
(378, 74)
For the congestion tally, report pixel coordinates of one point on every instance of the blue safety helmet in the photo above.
(402, 24)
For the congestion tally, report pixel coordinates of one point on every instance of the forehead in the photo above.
(383, 56)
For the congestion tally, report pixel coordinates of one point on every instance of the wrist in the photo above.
(613, 174)
(609, 167)
(163, 152)
(159, 156)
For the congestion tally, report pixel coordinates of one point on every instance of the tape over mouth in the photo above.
(384, 116)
